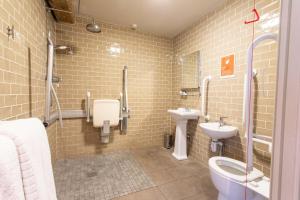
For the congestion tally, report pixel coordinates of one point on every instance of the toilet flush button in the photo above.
(266, 179)
(254, 184)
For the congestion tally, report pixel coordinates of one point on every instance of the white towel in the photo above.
(11, 186)
(31, 141)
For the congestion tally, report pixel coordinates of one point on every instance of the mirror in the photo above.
(190, 67)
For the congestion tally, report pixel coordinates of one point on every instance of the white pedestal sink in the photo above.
(182, 115)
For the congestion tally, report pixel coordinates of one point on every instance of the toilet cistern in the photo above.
(181, 116)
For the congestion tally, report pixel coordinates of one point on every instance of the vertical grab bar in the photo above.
(248, 97)
(49, 79)
(244, 100)
(125, 85)
(121, 108)
(245, 96)
(203, 103)
(124, 103)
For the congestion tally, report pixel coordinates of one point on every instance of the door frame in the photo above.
(286, 139)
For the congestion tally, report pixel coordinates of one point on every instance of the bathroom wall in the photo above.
(222, 33)
(96, 66)
(23, 61)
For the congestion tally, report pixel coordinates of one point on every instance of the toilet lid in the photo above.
(233, 169)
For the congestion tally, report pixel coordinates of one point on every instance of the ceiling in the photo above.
(161, 17)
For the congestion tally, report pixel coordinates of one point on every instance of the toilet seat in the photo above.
(233, 169)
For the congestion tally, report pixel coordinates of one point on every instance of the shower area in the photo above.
(92, 62)
(100, 67)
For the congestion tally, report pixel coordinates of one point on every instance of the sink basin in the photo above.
(213, 130)
(182, 115)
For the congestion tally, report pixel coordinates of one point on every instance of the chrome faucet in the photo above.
(221, 121)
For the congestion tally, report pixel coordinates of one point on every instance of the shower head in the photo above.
(93, 27)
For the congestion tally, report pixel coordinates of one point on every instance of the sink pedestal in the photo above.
(180, 149)
(181, 116)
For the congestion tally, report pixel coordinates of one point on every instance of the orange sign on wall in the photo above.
(227, 65)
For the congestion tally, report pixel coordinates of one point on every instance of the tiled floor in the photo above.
(140, 174)
(100, 177)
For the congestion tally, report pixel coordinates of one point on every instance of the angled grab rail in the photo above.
(49, 87)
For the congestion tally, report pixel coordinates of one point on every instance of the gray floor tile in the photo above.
(136, 174)
(100, 177)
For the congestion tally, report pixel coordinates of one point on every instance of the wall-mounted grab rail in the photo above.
(49, 78)
(88, 106)
(49, 86)
(256, 137)
(124, 102)
(249, 93)
(262, 139)
(62, 114)
(245, 95)
(203, 99)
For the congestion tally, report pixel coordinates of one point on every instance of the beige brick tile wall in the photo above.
(93, 68)
(219, 34)
(23, 61)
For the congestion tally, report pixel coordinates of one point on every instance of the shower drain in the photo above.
(91, 174)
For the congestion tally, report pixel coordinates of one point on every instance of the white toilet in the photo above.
(228, 176)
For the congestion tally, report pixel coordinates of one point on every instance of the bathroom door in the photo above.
(286, 148)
